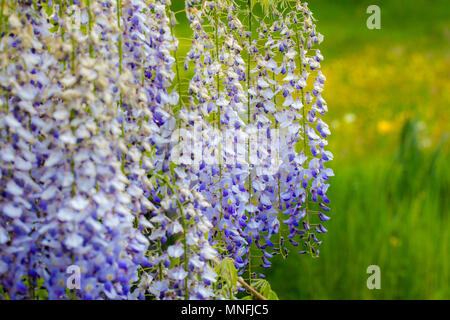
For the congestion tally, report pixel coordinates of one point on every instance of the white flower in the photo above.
(208, 252)
(53, 159)
(176, 250)
(177, 273)
(13, 188)
(73, 241)
(209, 274)
(4, 237)
(79, 203)
(65, 214)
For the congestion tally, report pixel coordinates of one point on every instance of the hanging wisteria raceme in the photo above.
(17, 160)
(284, 168)
(263, 149)
(283, 55)
(172, 270)
(144, 182)
(78, 195)
(74, 171)
(217, 92)
(305, 168)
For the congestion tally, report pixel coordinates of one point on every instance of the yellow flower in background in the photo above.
(384, 126)
(375, 91)
(394, 241)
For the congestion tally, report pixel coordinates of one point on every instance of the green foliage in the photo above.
(263, 287)
(226, 270)
(3, 295)
(227, 276)
(41, 291)
(37, 289)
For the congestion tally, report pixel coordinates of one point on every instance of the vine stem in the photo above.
(249, 7)
(88, 5)
(183, 217)
(255, 293)
(72, 111)
(178, 85)
(73, 293)
(160, 264)
(183, 224)
(304, 114)
(186, 256)
(119, 8)
(1, 17)
(60, 13)
(216, 29)
(280, 211)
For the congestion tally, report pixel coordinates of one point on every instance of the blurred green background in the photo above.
(388, 94)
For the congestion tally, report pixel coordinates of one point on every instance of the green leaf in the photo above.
(272, 295)
(227, 271)
(42, 294)
(172, 167)
(263, 287)
(54, 29)
(48, 8)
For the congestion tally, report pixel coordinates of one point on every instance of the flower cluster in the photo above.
(85, 136)
(112, 163)
(253, 89)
